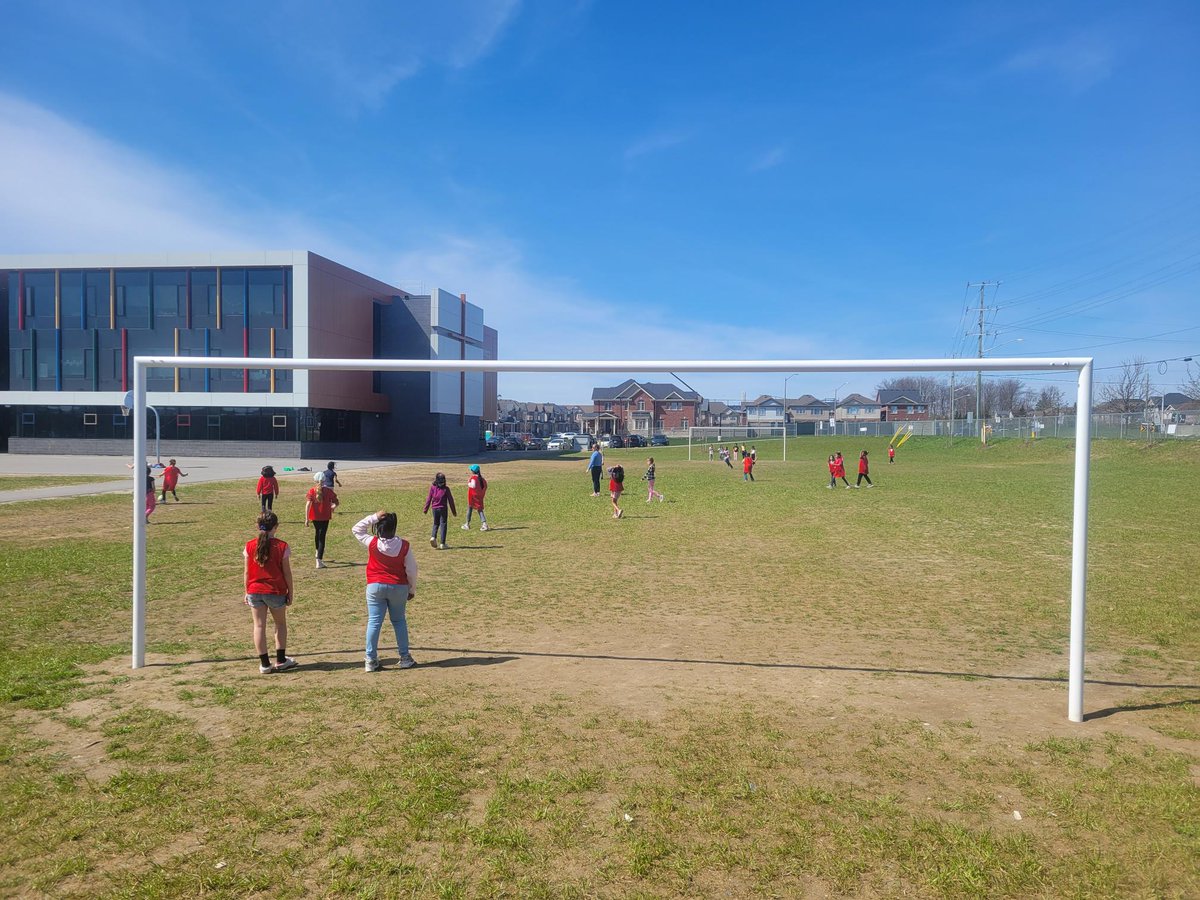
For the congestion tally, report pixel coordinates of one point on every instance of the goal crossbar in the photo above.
(1081, 365)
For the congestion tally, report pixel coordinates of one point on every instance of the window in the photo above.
(641, 406)
(895, 409)
(89, 418)
(908, 409)
(279, 421)
(684, 424)
(183, 420)
(608, 407)
(675, 405)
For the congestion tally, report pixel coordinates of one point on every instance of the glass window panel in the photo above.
(70, 287)
(133, 299)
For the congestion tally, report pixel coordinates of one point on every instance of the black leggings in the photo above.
(439, 524)
(267, 500)
(596, 470)
(861, 476)
(319, 530)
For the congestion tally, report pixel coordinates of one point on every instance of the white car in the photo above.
(561, 443)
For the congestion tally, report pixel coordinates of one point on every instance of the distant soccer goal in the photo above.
(735, 434)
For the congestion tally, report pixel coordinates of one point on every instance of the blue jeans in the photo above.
(390, 599)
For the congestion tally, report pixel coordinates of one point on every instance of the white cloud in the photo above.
(655, 143)
(769, 160)
(1079, 61)
(64, 188)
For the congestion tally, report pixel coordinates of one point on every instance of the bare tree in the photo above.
(1050, 400)
(1191, 386)
(926, 388)
(1130, 392)
(1006, 395)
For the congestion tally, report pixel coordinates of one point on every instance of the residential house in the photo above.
(717, 414)
(901, 406)
(1174, 408)
(540, 419)
(857, 408)
(765, 410)
(808, 408)
(642, 408)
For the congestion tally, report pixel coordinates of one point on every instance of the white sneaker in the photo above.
(483, 527)
(407, 662)
(441, 546)
(288, 663)
(320, 565)
(466, 528)
(372, 666)
(433, 542)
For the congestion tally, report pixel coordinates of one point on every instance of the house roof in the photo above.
(657, 391)
(806, 400)
(889, 397)
(764, 400)
(1171, 398)
(857, 400)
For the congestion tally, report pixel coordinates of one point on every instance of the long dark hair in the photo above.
(267, 523)
(385, 527)
(440, 479)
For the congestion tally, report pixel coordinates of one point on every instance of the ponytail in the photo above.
(267, 523)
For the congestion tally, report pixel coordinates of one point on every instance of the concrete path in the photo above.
(199, 469)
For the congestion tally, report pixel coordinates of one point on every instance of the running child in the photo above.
(268, 488)
(891, 455)
(863, 471)
(476, 489)
(391, 583)
(319, 505)
(329, 476)
(170, 477)
(747, 468)
(439, 498)
(616, 484)
(832, 472)
(725, 456)
(649, 479)
(268, 577)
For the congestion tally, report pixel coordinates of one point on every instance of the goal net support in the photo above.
(1081, 365)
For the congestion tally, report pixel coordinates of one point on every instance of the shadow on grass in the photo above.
(453, 663)
(475, 546)
(870, 670)
(1113, 710)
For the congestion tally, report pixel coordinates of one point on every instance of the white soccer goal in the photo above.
(703, 435)
(1082, 365)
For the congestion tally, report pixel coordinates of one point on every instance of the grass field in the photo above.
(766, 689)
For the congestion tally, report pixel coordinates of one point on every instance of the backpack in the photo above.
(618, 474)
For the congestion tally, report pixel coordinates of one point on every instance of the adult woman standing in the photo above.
(596, 467)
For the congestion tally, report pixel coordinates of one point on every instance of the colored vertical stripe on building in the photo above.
(57, 299)
(286, 297)
(177, 367)
(187, 299)
(218, 297)
(272, 357)
(125, 359)
(112, 299)
(245, 327)
(208, 352)
(58, 359)
(20, 301)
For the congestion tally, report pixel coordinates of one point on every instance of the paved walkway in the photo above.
(199, 469)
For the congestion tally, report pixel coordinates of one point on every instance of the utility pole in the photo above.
(983, 286)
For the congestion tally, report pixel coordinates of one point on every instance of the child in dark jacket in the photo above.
(439, 498)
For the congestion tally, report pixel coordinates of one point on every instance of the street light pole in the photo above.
(785, 381)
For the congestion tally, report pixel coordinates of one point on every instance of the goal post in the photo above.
(722, 434)
(1081, 365)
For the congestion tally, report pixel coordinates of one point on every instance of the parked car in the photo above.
(561, 443)
(635, 440)
(660, 440)
(533, 442)
(616, 441)
(584, 441)
(508, 442)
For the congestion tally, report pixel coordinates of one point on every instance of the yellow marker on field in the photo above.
(906, 435)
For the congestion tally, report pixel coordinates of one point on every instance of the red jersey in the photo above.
(476, 489)
(832, 468)
(384, 569)
(266, 578)
(267, 486)
(839, 467)
(891, 452)
(747, 463)
(170, 477)
(322, 511)
(862, 465)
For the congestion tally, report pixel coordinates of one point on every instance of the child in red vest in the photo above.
(319, 505)
(863, 471)
(170, 477)
(391, 583)
(616, 484)
(839, 469)
(268, 576)
(747, 468)
(476, 490)
(891, 455)
(268, 488)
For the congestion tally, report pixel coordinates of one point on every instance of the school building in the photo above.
(74, 323)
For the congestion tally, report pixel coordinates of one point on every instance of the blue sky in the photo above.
(643, 180)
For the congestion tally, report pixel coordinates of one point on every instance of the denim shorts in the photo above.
(260, 601)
